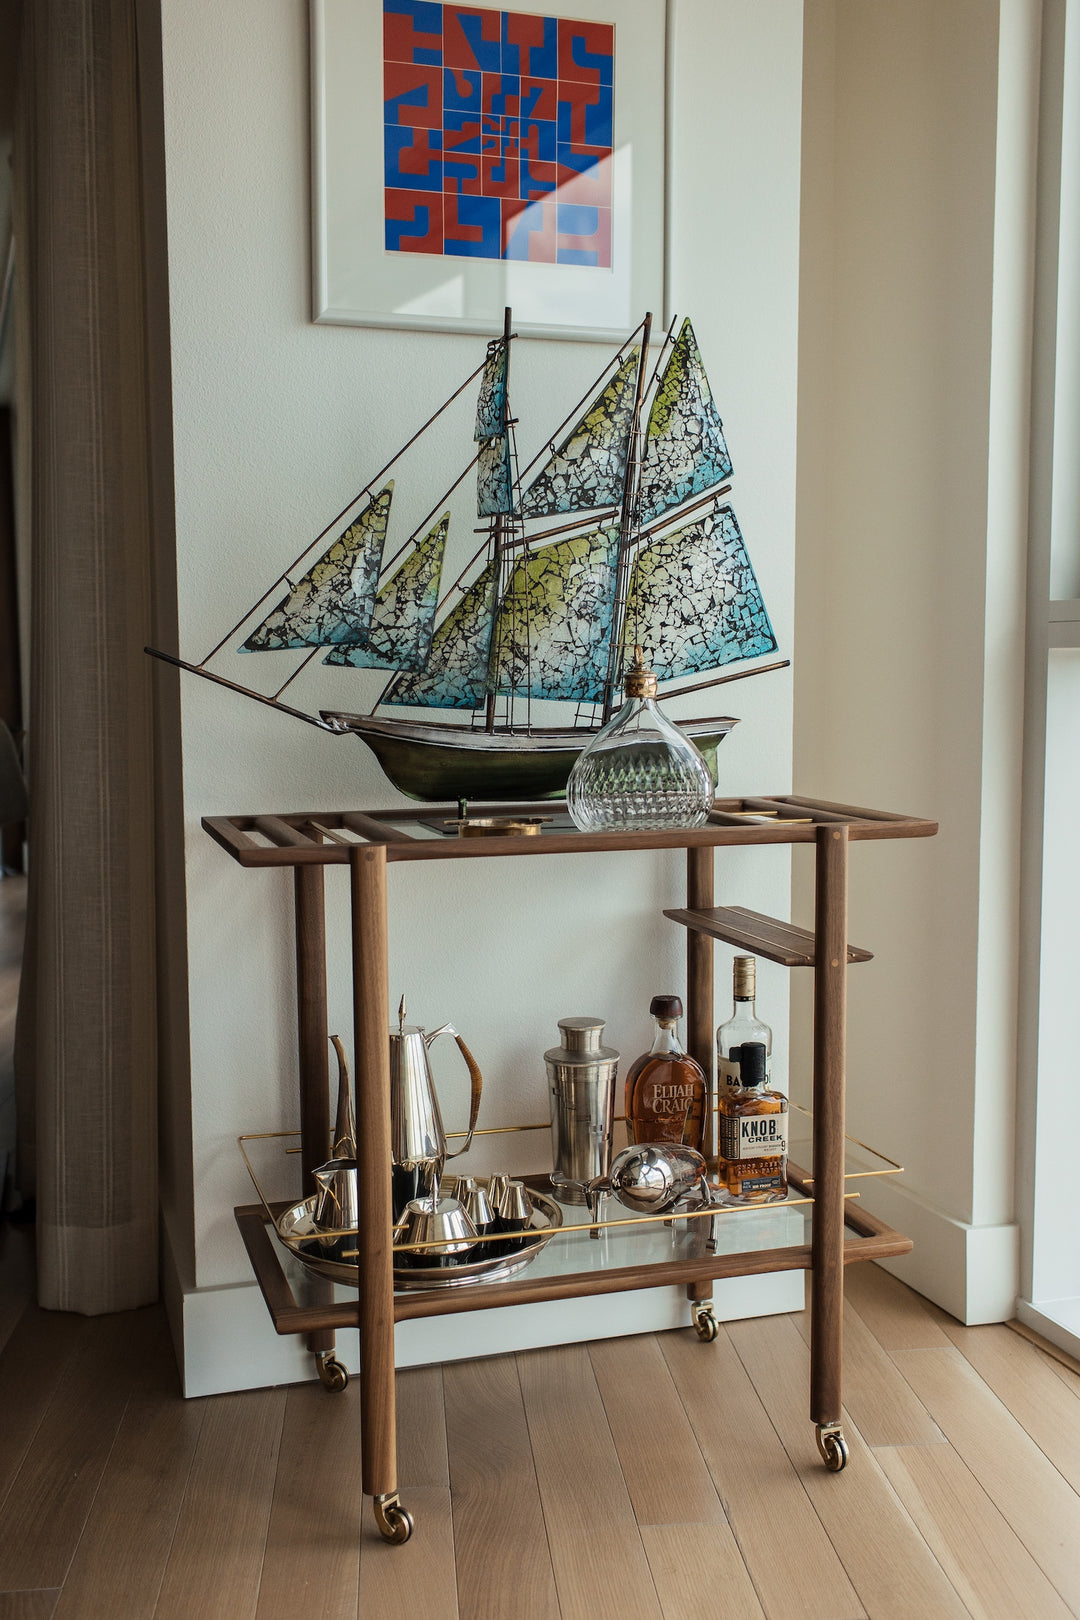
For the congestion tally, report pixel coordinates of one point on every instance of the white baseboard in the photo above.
(1056, 1319)
(230, 1344)
(973, 1272)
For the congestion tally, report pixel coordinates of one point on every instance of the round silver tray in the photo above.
(296, 1229)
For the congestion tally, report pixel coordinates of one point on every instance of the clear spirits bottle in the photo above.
(667, 1091)
(743, 1025)
(639, 773)
(752, 1156)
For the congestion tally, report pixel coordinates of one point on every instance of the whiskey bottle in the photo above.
(752, 1160)
(743, 1025)
(667, 1092)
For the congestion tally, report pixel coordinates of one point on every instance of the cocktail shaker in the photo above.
(581, 1082)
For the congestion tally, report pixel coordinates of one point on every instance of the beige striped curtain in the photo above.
(86, 1055)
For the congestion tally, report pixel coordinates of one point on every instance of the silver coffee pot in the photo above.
(417, 1138)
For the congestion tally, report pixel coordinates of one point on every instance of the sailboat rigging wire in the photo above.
(588, 519)
(516, 485)
(669, 338)
(596, 517)
(422, 525)
(629, 500)
(282, 578)
(245, 691)
(722, 680)
(297, 671)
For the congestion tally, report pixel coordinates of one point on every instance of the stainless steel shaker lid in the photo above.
(581, 1042)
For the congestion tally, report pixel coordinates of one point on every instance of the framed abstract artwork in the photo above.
(468, 157)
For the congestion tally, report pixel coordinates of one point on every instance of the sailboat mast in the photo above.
(499, 536)
(626, 540)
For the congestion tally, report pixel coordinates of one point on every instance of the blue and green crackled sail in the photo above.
(685, 452)
(491, 404)
(589, 467)
(403, 620)
(456, 672)
(694, 602)
(554, 622)
(332, 604)
(494, 481)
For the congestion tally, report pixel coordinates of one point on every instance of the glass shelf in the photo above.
(626, 1255)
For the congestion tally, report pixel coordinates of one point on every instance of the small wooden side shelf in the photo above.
(821, 1230)
(764, 936)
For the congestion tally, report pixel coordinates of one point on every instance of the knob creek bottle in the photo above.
(752, 1148)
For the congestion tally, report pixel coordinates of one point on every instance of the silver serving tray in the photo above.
(297, 1231)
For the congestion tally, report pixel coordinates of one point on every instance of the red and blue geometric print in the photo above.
(497, 134)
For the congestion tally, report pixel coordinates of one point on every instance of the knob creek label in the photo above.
(753, 1136)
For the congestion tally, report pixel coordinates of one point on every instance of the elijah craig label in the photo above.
(675, 1098)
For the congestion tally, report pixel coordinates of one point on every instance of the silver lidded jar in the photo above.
(581, 1082)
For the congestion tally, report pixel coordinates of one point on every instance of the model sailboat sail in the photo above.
(403, 617)
(554, 624)
(694, 602)
(333, 602)
(589, 467)
(457, 668)
(685, 452)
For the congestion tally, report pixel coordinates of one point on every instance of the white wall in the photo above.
(277, 422)
(919, 146)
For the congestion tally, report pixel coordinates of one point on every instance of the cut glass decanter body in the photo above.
(639, 773)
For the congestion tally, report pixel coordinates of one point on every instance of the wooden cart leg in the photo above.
(371, 1027)
(700, 1037)
(827, 1275)
(700, 1043)
(314, 1068)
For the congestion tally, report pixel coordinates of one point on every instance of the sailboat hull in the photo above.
(436, 762)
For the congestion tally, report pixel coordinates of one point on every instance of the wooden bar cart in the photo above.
(367, 843)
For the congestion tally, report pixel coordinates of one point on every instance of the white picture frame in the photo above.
(356, 281)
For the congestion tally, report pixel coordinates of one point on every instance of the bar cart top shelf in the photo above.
(326, 838)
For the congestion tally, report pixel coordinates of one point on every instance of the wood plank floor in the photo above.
(654, 1477)
(651, 1477)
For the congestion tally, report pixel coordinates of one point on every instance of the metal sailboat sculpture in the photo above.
(649, 554)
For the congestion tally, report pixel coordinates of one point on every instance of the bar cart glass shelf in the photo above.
(822, 1226)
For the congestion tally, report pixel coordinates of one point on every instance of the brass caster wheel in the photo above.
(833, 1447)
(705, 1324)
(394, 1522)
(333, 1375)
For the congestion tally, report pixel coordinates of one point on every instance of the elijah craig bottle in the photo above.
(666, 1090)
(752, 1151)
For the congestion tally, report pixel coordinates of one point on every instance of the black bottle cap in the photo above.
(752, 1063)
(666, 1006)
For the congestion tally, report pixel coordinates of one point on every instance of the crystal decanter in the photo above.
(639, 773)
